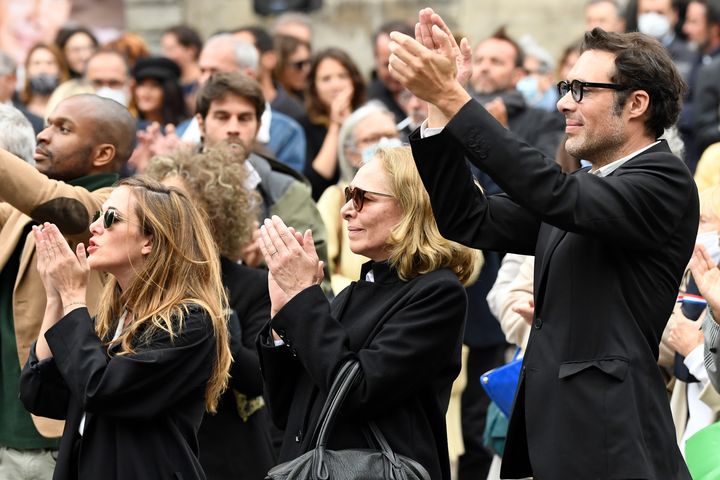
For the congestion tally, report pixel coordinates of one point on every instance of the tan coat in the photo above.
(26, 192)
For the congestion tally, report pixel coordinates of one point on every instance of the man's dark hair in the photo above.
(501, 34)
(221, 84)
(642, 63)
(187, 37)
(263, 40)
(393, 26)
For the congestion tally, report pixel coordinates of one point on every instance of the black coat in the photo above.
(609, 255)
(143, 410)
(407, 337)
(232, 446)
(707, 101)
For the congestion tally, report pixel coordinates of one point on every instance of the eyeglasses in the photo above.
(357, 195)
(577, 87)
(300, 64)
(110, 216)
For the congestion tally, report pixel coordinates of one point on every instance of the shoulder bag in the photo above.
(351, 464)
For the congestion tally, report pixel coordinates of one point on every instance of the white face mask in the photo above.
(653, 24)
(711, 242)
(118, 95)
(528, 86)
(369, 152)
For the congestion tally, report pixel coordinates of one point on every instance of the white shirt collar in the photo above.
(606, 170)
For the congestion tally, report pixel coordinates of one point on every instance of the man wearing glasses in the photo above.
(610, 245)
(78, 156)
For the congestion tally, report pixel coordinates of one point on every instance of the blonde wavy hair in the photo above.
(182, 269)
(415, 244)
(215, 179)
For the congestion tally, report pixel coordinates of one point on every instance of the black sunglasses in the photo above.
(357, 195)
(110, 216)
(300, 64)
(577, 88)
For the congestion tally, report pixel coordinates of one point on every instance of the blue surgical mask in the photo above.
(528, 86)
(711, 242)
(369, 152)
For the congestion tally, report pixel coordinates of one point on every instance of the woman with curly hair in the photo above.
(132, 384)
(235, 442)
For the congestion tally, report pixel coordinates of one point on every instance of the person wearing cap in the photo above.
(157, 93)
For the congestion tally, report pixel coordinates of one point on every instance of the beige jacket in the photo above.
(29, 195)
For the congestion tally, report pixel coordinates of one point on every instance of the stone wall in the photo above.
(350, 23)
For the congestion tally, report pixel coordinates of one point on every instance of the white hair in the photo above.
(346, 139)
(246, 54)
(16, 133)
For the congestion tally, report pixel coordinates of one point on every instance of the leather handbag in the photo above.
(351, 464)
(500, 383)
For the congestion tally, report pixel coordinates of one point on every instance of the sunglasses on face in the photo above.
(577, 88)
(357, 195)
(300, 64)
(110, 216)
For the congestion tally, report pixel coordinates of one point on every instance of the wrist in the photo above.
(451, 102)
(69, 305)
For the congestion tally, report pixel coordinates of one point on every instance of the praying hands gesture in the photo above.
(291, 259)
(64, 275)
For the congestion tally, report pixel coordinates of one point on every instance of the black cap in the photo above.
(160, 68)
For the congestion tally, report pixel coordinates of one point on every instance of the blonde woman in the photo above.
(402, 320)
(133, 383)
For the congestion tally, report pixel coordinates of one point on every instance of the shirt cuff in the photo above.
(695, 363)
(426, 131)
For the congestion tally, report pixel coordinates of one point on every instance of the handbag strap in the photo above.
(343, 382)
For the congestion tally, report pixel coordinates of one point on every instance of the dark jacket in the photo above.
(540, 128)
(707, 102)
(142, 410)
(407, 337)
(609, 256)
(235, 442)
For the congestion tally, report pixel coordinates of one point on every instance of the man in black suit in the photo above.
(610, 245)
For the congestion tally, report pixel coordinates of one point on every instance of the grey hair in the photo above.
(291, 17)
(7, 64)
(533, 49)
(246, 54)
(674, 141)
(16, 133)
(345, 137)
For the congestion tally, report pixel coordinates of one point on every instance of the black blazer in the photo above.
(407, 337)
(609, 255)
(232, 446)
(143, 410)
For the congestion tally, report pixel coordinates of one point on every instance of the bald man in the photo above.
(78, 157)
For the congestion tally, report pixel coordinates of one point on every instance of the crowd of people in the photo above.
(194, 241)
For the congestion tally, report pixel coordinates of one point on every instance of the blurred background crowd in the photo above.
(322, 68)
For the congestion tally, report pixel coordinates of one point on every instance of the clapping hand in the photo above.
(683, 335)
(707, 277)
(291, 259)
(462, 53)
(64, 273)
